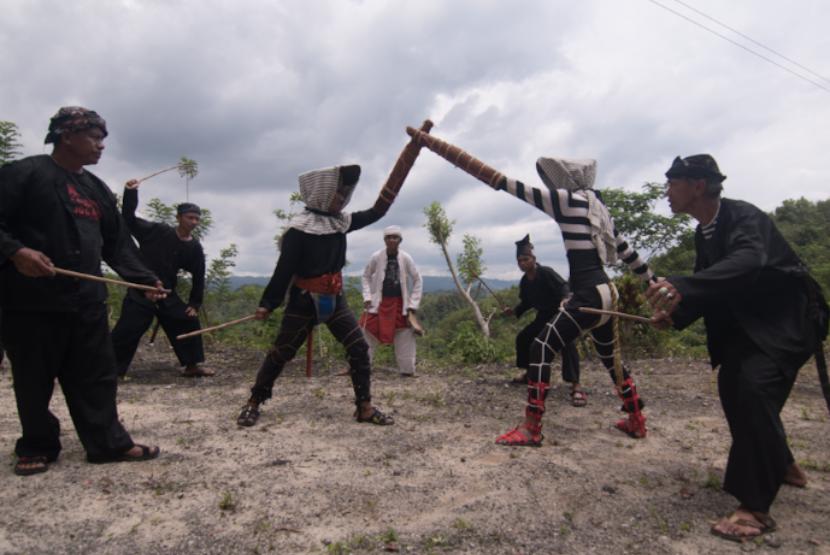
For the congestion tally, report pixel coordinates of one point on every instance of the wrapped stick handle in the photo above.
(400, 170)
(459, 158)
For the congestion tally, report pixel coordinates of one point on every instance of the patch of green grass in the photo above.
(712, 481)
(390, 536)
(227, 502)
(435, 540)
(461, 524)
(812, 464)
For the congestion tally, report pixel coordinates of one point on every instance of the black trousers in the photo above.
(569, 353)
(299, 318)
(753, 389)
(564, 328)
(137, 314)
(75, 349)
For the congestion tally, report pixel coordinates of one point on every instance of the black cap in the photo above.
(524, 247)
(697, 166)
(188, 208)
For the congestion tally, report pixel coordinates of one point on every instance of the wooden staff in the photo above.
(90, 277)
(216, 327)
(458, 158)
(185, 166)
(498, 299)
(623, 315)
(309, 351)
(400, 170)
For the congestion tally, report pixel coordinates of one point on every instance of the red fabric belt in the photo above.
(327, 284)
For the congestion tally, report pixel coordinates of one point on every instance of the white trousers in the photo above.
(404, 344)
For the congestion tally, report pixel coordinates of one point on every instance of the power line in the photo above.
(744, 47)
(750, 39)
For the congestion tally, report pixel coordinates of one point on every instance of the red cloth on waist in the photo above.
(388, 319)
(328, 284)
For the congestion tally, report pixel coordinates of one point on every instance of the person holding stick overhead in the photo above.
(312, 255)
(54, 213)
(591, 242)
(541, 288)
(165, 250)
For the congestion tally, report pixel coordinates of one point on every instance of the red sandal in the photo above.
(522, 435)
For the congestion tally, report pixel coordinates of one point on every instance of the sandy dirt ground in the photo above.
(309, 479)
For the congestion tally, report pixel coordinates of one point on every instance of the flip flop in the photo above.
(26, 466)
(147, 453)
(765, 524)
(579, 398)
(199, 372)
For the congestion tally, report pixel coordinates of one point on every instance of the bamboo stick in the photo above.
(623, 315)
(90, 277)
(216, 327)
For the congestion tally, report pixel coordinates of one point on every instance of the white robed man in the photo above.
(389, 299)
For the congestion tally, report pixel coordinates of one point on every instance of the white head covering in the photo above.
(318, 189)
(392, 230)
(579, 175)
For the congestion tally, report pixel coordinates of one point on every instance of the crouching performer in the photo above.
(591, 241)
(312, 254)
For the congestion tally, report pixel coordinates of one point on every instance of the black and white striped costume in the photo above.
(588, 281)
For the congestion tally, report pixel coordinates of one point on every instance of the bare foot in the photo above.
(795, 476)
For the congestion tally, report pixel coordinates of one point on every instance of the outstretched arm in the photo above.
(139, 227)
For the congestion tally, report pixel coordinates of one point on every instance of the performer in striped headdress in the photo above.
(591, 241)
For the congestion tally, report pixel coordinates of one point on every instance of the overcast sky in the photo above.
(259, 91)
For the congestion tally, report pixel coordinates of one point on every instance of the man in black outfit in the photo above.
(541, 288)
(165, 250)
(54, 213)
(764, 317)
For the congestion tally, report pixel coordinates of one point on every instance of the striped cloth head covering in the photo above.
(579, 175)
(318, 189)
(561, 173)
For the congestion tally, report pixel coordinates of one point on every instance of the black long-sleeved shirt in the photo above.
(544, 292)
(37, 211)
(747, 279)
(164, 252)
(305, 255)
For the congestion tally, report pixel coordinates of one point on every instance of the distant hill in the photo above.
(431, 283)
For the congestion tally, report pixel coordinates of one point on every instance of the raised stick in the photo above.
(217, 327)
(90, 277)
(623, 315)
(406, 159)
(498, 299)
(458, 158)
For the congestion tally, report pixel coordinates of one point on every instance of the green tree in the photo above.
(440, 228)
(9, 145)
(157, 211)
(636, 220)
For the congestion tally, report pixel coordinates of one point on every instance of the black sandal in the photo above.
(248, 416)
(377, 418)
(23, 466)
(147, 453)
